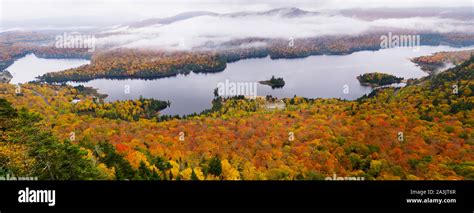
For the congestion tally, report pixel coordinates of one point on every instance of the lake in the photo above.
(321, 76)
(29, 67)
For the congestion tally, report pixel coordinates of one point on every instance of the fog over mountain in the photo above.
(88, 13)
(190, 24)
(194, 29)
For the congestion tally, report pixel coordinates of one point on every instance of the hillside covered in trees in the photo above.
(421, 131)
(439, 60)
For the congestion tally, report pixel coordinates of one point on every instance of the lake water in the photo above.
(315, 76)
(29, 67)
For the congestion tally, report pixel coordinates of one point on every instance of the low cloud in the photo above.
(198, 31)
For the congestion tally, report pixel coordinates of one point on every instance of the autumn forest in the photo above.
(409, 114)
(421, 131)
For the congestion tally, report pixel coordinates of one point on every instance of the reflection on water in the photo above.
(313, 77)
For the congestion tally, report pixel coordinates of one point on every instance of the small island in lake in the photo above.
(274, 82)
(376, 79)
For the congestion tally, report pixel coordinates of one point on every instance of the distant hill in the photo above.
(172, 19)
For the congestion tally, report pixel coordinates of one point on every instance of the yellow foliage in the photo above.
(135, 158)
(186, 174)
(15, 156)
(174, 168)
(229, 172)
(199, 173)
(109, 172)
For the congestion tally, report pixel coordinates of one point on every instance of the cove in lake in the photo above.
(321, 76)
(29, 67)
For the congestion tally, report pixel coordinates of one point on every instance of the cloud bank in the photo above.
(284, 23)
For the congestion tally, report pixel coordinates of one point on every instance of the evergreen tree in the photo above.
(215, 166)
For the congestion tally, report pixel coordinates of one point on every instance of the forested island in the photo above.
(274, 82)
(377, 79)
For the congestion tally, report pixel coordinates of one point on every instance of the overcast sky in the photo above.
(120, 10)
(77, 14)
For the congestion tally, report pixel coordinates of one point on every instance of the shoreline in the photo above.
(210, 70)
